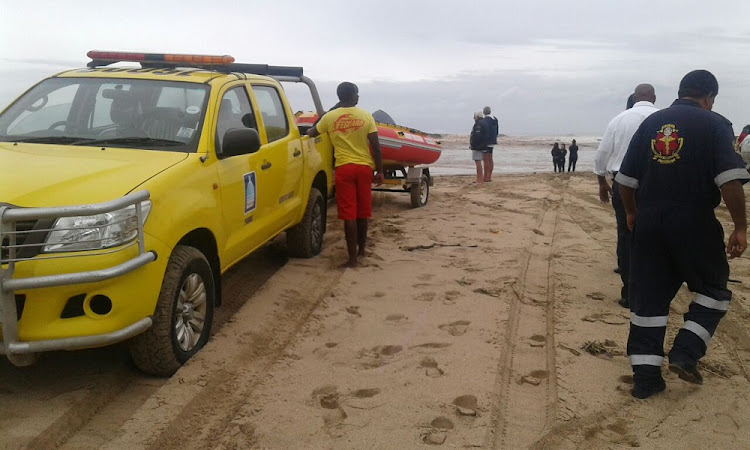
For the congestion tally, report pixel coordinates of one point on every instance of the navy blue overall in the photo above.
(676, 161)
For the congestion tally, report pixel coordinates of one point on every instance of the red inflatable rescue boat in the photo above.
(400, 146)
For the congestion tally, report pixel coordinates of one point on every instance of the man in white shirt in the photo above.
(744, 149)
(609, 155)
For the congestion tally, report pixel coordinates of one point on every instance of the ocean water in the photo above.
(512, 154)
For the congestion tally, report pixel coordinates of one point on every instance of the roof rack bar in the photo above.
(265, 69)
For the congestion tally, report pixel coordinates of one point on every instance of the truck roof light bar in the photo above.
(103, 58)
(221, 63)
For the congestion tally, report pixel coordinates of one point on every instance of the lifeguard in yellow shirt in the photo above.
(354, 136)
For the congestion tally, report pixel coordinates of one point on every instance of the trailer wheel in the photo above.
(420, 193)
(305, 239)
(183, 315)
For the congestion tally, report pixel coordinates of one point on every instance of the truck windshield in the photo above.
(138, 114)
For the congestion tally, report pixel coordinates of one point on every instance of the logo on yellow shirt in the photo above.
(346, 123)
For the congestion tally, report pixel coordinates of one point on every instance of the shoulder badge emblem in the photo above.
(667, 145)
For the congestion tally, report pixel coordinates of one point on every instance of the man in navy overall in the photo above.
(679, 165)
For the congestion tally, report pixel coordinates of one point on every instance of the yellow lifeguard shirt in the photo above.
(348, 129)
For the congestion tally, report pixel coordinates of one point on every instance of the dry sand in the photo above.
(471, 324)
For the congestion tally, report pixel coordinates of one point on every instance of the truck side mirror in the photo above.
(240, 141)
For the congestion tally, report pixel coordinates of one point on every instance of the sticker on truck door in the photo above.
(250, 190)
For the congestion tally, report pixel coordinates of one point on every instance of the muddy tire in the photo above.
(183, 315)
(305, 239)
(420, 193)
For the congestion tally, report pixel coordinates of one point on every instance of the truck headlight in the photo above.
(80, 233)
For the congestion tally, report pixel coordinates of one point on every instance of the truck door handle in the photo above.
(297, 153)
(266, 165)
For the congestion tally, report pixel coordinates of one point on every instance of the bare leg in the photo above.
(488, 166)
(350, 231)
(480, 172)
(361, 236)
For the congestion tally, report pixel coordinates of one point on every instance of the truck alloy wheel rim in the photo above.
(317, 225)
(190, 312)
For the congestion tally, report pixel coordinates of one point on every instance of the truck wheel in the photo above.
(183, 315)
(305, 239)
(420, 193)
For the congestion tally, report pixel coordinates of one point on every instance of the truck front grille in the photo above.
(25, 234)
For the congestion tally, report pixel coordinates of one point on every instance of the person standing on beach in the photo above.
(563, 154)
(631, 101)
(679, 165)
(556, 156)
(354, 136)
(607, 160)
(573, 156)
(493, 129)
(477, 143)
(741, 138)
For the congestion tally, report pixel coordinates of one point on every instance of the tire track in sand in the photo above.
(114, 389)
(526, 387)
(210, 390)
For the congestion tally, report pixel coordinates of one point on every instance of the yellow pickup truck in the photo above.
(128, 189)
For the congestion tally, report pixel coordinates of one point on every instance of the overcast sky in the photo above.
(549, 67)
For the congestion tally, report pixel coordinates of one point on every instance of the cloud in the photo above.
(545, 66)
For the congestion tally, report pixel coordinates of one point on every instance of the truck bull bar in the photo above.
(22, 353)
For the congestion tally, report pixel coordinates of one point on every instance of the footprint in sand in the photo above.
(434, 437)
(433, 345)
(439, 431)
(725, 424)
(431, 367)
(425, 277)
(608, 318)
(395, 317)
(377, 356)
(387, 350)
(466, 405)
(534, 377)
(450, 297)
(325, 350)
(327, 397)
(492, 292)
(457, 328)
(426, 296)
(538, 340)
(442, 423)
(366, 393)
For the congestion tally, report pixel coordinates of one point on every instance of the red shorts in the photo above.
(353, 191)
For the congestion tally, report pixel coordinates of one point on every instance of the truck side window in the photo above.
(234, 112)
(273, 112)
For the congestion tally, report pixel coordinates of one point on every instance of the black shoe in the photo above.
(646, 390)
(686, 371)
(624, 303)
(617, 270)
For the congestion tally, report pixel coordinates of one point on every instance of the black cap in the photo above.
(698, 84)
